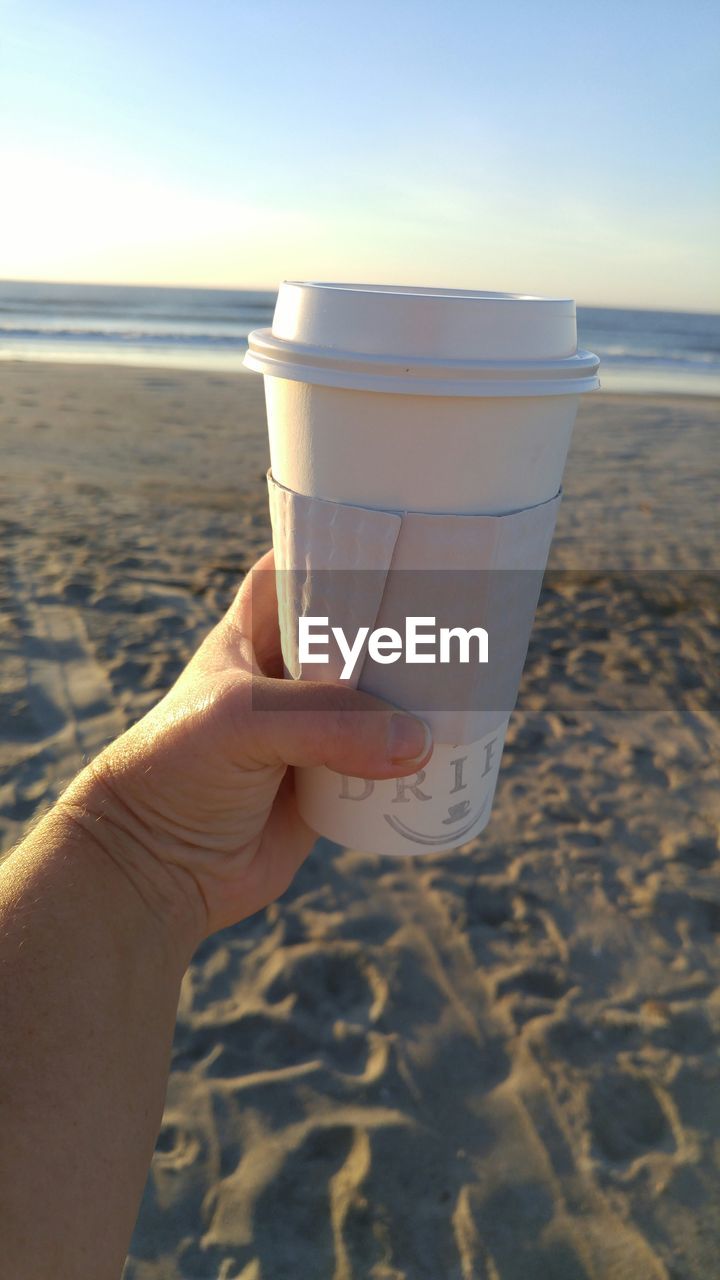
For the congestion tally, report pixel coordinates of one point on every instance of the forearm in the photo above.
(183, 826)
(90, 973)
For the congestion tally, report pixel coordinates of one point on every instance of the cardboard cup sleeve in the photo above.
(361, 567)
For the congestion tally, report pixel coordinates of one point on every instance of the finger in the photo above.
(306, 723)
(248, 636)
(255, 612)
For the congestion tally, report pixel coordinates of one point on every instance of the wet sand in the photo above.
(500, 1063)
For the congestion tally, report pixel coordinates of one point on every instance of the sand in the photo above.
(500, 1063)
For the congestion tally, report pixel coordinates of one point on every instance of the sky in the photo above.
(535, 146)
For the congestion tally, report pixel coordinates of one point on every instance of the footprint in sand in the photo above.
(546, 984)
(321, 1008)
(684, 1031)
(332, 998)
(176, 1145)
(583, 1044)
(328, 983)
(77, 590)
(688, 913)
(529, 991)
(504, 1233)
(312, 1185)
(626, 1119)
(700, 853)
(473, 904)
(252, 1043)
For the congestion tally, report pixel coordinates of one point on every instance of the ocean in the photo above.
(640, 351)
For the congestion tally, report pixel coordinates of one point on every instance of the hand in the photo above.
(196, 801)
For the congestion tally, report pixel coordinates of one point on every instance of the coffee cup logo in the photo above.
(460, 817)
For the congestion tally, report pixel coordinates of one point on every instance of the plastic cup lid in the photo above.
(424, 341)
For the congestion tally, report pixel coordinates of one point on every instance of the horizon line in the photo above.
(233, 288)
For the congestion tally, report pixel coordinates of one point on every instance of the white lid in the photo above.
(423, 341)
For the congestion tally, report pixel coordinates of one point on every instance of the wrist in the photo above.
(95, 807)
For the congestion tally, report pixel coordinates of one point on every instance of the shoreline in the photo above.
(235, 369)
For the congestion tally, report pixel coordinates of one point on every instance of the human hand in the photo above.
(196, 801)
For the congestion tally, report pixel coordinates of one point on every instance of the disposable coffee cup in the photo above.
(417, 400)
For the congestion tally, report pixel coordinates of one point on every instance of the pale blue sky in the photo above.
(540, 146)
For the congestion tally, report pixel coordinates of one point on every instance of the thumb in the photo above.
(307, 722)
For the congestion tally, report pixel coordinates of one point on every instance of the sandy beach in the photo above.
(497, 1064)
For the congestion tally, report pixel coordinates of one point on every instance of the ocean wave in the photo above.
(133, 301)
(628, 355)
(113, 337)
(252, 314)
(237, 340)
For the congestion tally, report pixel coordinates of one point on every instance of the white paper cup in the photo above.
(429, 400)
(483, 455)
